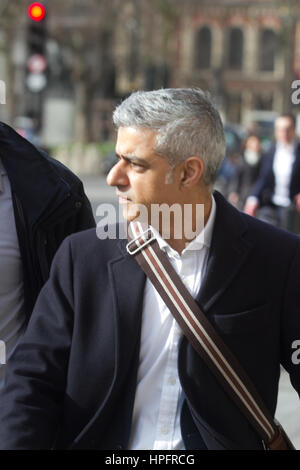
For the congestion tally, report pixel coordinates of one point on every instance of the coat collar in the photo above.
(228, 251)
(31, 175)
(271, 152)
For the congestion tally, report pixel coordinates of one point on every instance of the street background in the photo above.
(62, 77)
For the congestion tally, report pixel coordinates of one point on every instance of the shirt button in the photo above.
(164, 430)
(178, 332)
(172, 380)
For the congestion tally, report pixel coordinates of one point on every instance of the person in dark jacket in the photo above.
(41, 202)
(247, 171)
(275, 197)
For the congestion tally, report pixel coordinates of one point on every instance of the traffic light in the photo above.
(36, 31)
(36, 65)
(36, 11)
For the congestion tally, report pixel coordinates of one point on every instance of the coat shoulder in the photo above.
(271, 237)
(261, 234)
(87, 242)
(61, 169)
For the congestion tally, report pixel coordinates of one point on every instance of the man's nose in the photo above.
(118, 175)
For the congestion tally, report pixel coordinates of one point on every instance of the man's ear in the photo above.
(191, 171)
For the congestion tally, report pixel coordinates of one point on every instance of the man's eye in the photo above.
(136, 165)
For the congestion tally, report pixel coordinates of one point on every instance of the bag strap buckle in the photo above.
(140, 241)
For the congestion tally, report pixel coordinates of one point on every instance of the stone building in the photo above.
(244, 52)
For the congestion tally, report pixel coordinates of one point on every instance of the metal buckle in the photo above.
(140, 247)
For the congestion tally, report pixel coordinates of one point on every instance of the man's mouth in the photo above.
(123, 199)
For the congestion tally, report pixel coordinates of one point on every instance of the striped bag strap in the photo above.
(203, 337)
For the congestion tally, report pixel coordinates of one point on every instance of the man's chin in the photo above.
(129, 214)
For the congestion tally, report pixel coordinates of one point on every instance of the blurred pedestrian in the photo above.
(247, 171)
(41, 202)
(227, 173)
(276, 195)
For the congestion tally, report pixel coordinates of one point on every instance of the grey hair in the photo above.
(187, 124)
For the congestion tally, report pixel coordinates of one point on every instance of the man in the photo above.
(103, 364)
(41, 202)
(277, 190)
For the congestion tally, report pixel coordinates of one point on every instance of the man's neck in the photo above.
(180, 244)
(289, 144)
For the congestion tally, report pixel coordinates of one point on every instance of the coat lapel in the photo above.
(128, 282)
(228, 252)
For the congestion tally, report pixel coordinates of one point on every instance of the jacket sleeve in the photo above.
(264, 180)
(32, 398)
(85, 217)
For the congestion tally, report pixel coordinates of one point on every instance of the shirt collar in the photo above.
(288, 147)
(202, 239)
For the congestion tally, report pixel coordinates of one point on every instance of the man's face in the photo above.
(141, 176)
(253, 144)
(285, 131)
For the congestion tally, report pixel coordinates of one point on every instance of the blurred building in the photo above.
(244, 52)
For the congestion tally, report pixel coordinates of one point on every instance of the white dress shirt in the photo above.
(12, 317)
(282, 167)
(156, 413)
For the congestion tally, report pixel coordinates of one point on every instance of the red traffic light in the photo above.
(36, 11)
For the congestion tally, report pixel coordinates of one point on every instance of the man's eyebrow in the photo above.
(133, 158)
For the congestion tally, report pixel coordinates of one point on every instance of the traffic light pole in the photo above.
(36, 66)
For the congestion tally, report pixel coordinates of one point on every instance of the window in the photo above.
(203, 48)
(156, 76)
(264, 102)
(234, 107)
(267, 50)
(236, 46)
